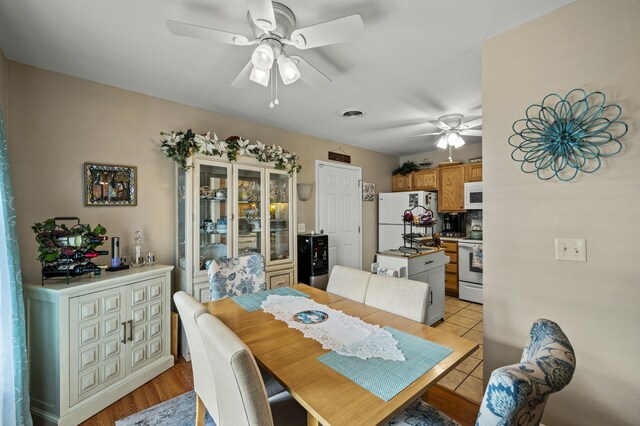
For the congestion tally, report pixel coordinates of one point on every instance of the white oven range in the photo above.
(470, 270)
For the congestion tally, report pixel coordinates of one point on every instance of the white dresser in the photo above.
(95, 340)
(427, 267)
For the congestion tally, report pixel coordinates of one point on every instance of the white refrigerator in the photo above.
(391, 208)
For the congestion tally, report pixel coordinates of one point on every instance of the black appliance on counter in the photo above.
(453, 225)
(313, 260)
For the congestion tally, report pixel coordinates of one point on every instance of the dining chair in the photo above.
(190, 310)
(407, 298)
(349, 282)
(516, 394)
(242, 398)
(233, 276)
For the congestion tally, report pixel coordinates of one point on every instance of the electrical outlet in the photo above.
(301, 227)
(571, 249)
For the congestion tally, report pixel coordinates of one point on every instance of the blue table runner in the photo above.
(385, 378)
(252, 301)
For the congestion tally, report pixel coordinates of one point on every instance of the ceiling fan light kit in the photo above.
(273, 27)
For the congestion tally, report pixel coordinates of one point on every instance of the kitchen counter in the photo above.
(410, 255)
(454, 239)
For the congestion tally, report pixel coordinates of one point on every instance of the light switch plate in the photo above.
(571, 249)
(301, 227)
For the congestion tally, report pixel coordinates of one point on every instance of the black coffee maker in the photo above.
(453, 225)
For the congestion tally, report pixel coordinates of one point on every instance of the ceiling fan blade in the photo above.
(242, 80)
(438, 124)
(310, 74)
(262, 14)
(471, 132)
(473, 123)
(206, 33)
(330, 32)
(425, 134)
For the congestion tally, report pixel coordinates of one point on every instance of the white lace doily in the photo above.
(344, 334)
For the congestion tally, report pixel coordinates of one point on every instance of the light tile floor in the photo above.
(464, 319)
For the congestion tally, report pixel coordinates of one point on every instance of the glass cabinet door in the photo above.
(280, 216)
(182, 219)
(212, 212)
(249, 211)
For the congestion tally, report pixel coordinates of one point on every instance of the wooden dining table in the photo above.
(329, 397)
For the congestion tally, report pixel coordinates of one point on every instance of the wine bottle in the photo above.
(79, 255)
(79, 240)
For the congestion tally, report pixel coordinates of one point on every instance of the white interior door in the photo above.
(339, 211)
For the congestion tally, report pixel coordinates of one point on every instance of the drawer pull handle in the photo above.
(429, 261)
(124, 332)
(130, 330)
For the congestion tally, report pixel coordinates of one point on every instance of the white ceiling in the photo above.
(418, 59)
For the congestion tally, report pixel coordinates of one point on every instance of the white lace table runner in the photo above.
(344, 334)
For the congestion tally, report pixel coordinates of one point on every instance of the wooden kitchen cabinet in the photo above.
(451, 271)
(425, 180)
(451, 189)
(473, 172)
(401, 183)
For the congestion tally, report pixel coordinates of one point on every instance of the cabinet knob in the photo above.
(429, 261)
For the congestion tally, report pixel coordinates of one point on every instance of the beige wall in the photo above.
(4, 85)
(436, 156)
(58, 122)
(594, 45)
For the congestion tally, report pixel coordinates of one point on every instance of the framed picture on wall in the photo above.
(368, 191)
(110, 185)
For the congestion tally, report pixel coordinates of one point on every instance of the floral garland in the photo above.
(180, 145)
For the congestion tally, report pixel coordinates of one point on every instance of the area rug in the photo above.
(179, 411)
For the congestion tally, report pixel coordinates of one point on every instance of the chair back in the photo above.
(517, 394)
(190, 310)
(233, 276)
(242, 398)
(407, 298)
(349, 282)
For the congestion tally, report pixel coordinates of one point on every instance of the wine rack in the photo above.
(68, 252)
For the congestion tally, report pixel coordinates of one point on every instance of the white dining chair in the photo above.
(242, 397)
(407, 298)
(349, 282)
(190, 310)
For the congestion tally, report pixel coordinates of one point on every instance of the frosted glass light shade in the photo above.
(304, 191)
(455, 140)
(288, 70)
(260, 76)
(442, 142)
(262, 57)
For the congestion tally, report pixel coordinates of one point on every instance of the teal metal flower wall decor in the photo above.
(564, 135)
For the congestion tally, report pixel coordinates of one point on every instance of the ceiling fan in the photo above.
(451, 130)
(273, 26)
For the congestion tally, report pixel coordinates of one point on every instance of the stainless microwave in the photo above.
(473, 196)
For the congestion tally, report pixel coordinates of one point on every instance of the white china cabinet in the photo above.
(233, 209)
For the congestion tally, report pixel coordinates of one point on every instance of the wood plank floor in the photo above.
(179, 379)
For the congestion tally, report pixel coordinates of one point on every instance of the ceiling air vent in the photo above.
(351, 113)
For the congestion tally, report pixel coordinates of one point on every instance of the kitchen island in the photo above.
(426, 265)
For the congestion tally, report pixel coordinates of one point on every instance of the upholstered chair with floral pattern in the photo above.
(233, 276)
(516, 394)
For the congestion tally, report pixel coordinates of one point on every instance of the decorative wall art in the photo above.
(564, 135)
(368, 191)
(108, 185)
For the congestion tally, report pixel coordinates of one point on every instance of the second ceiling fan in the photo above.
(273, 26)
(451, 130)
